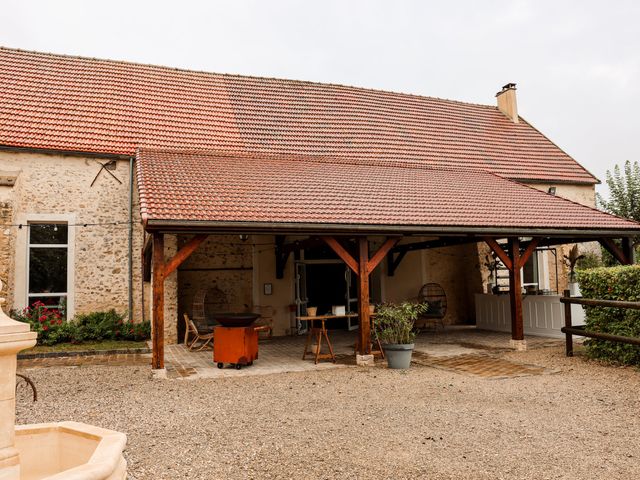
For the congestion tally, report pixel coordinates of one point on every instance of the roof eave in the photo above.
(74, 153)
(552, 181)
(202, 226)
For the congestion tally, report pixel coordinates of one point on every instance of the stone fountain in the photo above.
(48, 451)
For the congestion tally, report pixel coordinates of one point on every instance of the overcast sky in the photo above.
(576, 63)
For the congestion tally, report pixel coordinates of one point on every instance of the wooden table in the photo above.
(321, 332)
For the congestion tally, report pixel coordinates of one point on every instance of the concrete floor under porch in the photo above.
(461, 348)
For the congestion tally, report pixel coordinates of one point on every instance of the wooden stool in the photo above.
(319, 332)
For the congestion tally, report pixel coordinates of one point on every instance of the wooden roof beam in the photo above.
(346, 257)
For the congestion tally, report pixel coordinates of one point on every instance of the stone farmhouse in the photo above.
(137, 187)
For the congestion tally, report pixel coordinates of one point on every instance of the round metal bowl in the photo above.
(235, 319)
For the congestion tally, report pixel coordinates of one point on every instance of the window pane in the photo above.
(52, 303)
(530, 269)
(48, 233)
(47, 270)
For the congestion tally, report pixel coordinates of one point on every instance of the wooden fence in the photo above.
(569, 330)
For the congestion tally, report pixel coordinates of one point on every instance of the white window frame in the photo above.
(30, 246)
(21, 296)
(541, 260)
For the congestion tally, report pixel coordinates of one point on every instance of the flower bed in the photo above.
(52, 328)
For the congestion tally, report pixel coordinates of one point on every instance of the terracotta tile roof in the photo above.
(213, 187)
(80, 104)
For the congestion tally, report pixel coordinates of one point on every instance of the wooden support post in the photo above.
(393, 261)
(157, 316)
(515, 290)
(363, 268)
(628, 250)
(567, 323)
(282, 255)
(363, 296)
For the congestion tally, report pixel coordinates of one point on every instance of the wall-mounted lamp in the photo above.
(552, 190)
(244, 238)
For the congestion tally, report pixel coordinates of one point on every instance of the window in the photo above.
(530, 271)
(48, 250)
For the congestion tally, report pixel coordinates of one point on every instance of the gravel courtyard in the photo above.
(580, 422)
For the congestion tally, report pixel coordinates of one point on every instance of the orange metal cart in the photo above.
(235, 345)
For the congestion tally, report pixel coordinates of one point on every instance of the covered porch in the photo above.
(302, 201)
(461, 348)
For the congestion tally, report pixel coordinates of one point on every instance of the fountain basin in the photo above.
(70, 451)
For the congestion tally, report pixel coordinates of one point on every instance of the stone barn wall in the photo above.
(53, 186)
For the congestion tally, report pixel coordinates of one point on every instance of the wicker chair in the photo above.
(265, 323)
(433, 294)
(208, 299)
(198, 333)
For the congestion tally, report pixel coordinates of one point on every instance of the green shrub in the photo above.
(393, 323)
(91, 327)
(134, 331)
(590, 260)
(612, 283)
(97, 326)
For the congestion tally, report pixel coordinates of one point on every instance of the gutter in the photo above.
(182, 226)
(74, 153)
(130, 246)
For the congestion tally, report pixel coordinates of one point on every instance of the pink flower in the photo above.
(45, 328)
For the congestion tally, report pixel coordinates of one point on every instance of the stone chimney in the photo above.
(507, 102)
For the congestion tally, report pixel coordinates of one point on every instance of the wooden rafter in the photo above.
(393, 261)
(438, 243)
(524, 258)
(628, 250)
(297, 245)
(381, 253)
(184, 253)
(342, 253)
(611, 247)
(282, 255)
(499, 251)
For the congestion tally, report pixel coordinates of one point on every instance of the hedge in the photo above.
(52, 328)
(612, 283)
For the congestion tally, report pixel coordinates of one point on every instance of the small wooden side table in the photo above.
(320, 332)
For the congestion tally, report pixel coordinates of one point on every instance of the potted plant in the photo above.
(571, 261)
(393, 325)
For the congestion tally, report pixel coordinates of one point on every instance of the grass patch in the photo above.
(90, 346)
